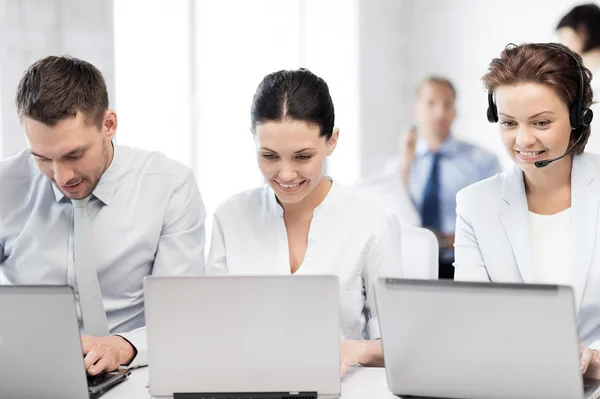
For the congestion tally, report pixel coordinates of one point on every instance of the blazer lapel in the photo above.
(515, 219)
(585, 200)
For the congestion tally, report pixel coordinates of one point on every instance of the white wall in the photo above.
(384, 79)
(30, 30)
(458, 39)
(377, 50)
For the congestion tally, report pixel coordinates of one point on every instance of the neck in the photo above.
(435, 140)
(543, 182)
(313, 200)
(591, 59)
(110, 152)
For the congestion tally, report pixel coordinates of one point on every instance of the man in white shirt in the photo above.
(74, 202)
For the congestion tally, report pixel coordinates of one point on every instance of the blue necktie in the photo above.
(430, 209)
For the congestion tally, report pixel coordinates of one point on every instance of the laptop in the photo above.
(447, 339)
(243, 336)
(40, 346)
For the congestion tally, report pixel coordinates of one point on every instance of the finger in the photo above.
(104, 364)
(91, 358)
(595, 361)
(586, 358)
(343, 369)
(87, 344)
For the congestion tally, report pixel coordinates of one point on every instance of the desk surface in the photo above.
(359, 383)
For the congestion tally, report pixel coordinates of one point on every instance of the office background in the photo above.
(181, 73)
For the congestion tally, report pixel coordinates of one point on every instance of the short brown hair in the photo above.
(548, 64)
(55, 88)
(436, 80)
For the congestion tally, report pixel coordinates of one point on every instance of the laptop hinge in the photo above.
(247, 395)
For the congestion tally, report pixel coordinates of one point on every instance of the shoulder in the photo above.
(476, 153)
(19, 166)
(360, 208)
(244, 204)
(152, 164)
(482, 193)
(589, 159)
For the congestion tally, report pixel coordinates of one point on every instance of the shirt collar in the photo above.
(448, 147)
(105, 189)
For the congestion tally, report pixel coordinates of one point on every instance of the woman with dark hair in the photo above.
(538, 222)
(579, 30)
(303, 222)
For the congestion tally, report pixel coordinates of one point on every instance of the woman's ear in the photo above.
(332, 142)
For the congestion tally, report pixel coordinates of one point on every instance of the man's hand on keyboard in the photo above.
(590, 362)
(105, 353)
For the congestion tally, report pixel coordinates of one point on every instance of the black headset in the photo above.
(579, 116)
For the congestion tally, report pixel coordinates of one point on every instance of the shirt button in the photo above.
(77, 296)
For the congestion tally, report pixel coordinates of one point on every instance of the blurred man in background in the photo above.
(434, 165)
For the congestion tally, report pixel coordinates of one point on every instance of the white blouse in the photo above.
(349, 236)
(552, 247)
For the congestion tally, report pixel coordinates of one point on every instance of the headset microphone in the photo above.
(546, 162)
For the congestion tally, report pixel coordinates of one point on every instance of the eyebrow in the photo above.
(70, 153)
(532, 116)
(296, 152)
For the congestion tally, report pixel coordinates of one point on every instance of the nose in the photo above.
(288, 172)
(524, 137)
(62, 174)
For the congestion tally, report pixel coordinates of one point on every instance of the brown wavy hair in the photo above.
(541, 64)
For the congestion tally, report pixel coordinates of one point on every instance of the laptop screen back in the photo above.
(40, 347)
(455, 339)
(243, 334)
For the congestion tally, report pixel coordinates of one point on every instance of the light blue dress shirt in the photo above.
(461, 165)
(147, 218)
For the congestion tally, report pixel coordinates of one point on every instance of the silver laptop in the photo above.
(40, 346)
(243, 336)
(448, 339)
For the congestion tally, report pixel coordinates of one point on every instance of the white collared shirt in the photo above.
(349, 237)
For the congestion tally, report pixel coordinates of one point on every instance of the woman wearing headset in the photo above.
(538, 222)
(303, 222)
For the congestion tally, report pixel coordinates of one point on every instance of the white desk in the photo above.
(359, 383)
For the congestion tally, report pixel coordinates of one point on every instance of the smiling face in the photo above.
(534, 124)
(73, 154)
(291, 155)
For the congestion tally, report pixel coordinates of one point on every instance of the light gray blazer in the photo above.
(494, 243)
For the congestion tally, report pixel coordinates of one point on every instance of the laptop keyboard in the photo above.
(95, 380)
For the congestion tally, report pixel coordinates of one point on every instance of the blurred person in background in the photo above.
(434, 165)
(579, 30)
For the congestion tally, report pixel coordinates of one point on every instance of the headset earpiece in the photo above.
(492, 112)
(579, 116)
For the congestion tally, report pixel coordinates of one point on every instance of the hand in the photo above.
(446, 241)
(105, 353)
(352, 351)
(590, 362)
(407, 145)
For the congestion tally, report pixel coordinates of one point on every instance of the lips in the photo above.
(290, 187)
(72, 187)
(530, 156)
